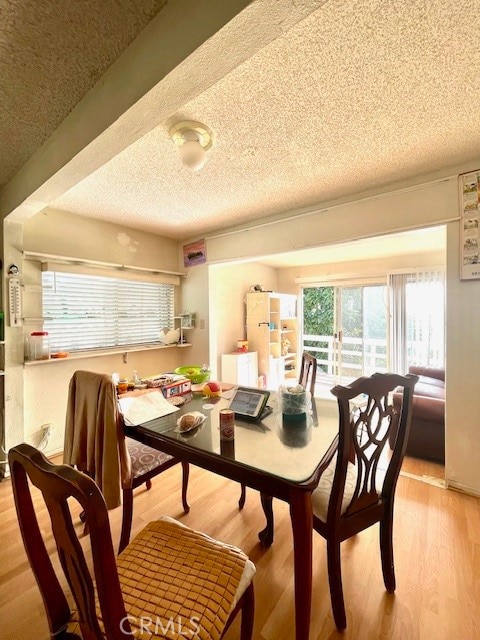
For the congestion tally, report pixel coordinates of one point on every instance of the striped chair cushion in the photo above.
(193, 579)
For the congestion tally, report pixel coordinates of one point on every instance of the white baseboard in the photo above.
(457, 486)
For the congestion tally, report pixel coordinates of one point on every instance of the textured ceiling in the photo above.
(358, 96)
(51, 53)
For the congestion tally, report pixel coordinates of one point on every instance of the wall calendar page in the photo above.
(469, 192)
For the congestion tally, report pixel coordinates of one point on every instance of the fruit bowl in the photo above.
(196, 375)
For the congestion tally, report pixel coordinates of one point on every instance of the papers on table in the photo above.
(140, 409)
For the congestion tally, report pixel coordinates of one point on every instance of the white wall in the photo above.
(462, 374)
(195, 293)
(421, 206)
(57, 232)
(361, 268)
(228, 287)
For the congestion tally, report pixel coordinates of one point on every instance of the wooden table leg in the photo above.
(302, 527)
(266, 535)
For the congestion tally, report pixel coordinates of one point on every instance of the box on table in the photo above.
(176, 388)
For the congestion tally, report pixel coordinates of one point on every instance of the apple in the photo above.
(212, 389)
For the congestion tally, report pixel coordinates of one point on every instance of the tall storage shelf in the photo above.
(271, 320)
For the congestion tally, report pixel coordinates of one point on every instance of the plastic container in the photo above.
(294, 402)
(39, 346)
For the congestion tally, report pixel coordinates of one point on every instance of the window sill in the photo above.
(77, 355)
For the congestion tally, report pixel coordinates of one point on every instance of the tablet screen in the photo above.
(249, 402)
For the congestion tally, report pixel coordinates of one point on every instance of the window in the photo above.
(417, 319)
(95, 312)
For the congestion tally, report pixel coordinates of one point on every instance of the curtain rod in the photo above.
(43, 257)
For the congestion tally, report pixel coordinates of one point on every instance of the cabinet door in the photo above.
(241, 368)
(258, 308)
(250, 369)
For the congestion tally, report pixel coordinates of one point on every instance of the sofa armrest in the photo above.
(429, 372)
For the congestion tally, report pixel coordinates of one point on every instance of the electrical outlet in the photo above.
(202, 324)
(46, 430)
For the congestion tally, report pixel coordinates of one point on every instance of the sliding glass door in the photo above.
(345, 328)
(363, 334)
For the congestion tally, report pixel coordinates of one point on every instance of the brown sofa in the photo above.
(427, 429)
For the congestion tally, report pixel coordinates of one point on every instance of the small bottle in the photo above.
(135, 378)
(122, 386)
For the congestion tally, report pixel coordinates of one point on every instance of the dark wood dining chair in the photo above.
(95, 443)
(357, 484)
(357, 480)
(308, 372)
(170, 581)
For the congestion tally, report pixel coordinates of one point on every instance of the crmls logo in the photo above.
(158, 626)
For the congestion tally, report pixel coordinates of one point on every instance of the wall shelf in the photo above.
(105, 352)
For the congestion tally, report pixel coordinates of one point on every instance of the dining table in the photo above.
(279, 456)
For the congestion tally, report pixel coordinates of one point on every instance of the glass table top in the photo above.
(290, 449)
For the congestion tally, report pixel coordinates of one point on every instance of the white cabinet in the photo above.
(272, 332)
(240, 368)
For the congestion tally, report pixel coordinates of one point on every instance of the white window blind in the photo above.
(417, 311)
(95, 312)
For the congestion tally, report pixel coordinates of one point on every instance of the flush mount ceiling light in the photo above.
(194, 140)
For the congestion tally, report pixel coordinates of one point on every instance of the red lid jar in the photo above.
(38, 346)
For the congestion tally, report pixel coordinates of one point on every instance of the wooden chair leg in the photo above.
(335, 582)
(386, 551)
(243, 496)
(245, 606)
(185, 475)
(266, 536)
(127, 515)
(148, 484)
(248, 610)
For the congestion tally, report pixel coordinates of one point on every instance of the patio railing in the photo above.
(357, 357)
(363, 356)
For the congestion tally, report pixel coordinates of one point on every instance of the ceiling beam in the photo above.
(189, 46)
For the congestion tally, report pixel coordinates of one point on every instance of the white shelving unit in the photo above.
(271, 319)
(184, 322)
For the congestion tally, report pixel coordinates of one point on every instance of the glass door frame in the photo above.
(338, 332)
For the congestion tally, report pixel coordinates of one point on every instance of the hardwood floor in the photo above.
(437, 556)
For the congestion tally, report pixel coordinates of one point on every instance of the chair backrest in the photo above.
(308, 372)
(365, 419)
(58, 484)
(94, 436)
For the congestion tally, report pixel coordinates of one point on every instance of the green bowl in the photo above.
(195, 374)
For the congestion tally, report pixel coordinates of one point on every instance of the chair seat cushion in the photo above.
(193, 580)
(144, 458)
(321, 495)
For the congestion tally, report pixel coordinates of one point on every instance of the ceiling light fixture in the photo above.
(194, 140)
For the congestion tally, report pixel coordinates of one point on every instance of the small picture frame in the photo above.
(194, 253)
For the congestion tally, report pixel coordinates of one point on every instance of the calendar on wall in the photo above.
(469, 193)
